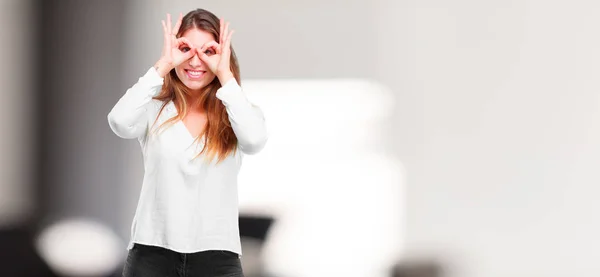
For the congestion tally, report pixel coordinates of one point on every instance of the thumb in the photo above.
(202, 55)
(189, 54)
(204, 58)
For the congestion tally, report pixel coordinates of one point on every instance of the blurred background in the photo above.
(434, 138)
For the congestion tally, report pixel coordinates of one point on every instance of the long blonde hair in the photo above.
(219, 139)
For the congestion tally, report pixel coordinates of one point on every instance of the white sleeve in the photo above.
(128, 118)
(247, 119)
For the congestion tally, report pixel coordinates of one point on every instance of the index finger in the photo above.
(169, 22)
(183, 40)
(227, 45)
(178, 24)
(166, 37)
(221, 26)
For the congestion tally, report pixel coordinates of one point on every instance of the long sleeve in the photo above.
(247, 120)
(128, 118)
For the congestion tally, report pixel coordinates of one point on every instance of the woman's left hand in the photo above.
(217, 56)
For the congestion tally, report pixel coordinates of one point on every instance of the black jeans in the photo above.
(153, 261)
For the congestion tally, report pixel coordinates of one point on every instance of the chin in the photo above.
(195, 86)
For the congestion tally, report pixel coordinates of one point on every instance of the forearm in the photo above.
(162, 68)
(128, 118)
(247, 120)
(225, 77)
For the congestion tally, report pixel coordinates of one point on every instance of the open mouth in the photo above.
(194, 74)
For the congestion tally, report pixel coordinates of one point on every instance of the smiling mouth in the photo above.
(195, 74)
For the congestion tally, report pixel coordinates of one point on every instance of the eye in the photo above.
(184, 49)
(209, 52)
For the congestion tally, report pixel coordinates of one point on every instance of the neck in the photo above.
(193, 100)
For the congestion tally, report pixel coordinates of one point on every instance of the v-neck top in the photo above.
(186, 205)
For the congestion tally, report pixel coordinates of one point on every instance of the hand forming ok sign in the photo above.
(172, 56)
(219, 63)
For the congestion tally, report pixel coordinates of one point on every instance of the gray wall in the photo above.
(497, 121)
(497, 116)
(80, 59)
(17, 166)
(498, 127)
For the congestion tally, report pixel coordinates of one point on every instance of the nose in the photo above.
(195, 61)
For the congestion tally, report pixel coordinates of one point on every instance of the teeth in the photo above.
(194, 73)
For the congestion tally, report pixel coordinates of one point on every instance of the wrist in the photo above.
(162, 68)
(225, 77)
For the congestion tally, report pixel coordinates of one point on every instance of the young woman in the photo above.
(193, 123)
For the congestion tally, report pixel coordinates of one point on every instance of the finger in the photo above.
(221, 25)
(211, 44)
(203, 57)
(183, 40)
(228, 41)
(178, 24)
(169, 23)
(166, 38)
(226, 47)
(164, 27)
(225, 33)
(189, 54)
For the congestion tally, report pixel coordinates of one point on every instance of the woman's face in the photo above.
(194, 73)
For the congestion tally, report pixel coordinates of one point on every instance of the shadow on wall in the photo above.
(423, 268)
(18, 256)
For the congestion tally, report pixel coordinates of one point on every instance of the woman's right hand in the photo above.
(172, 54)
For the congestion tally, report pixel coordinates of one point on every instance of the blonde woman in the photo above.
(194, 124)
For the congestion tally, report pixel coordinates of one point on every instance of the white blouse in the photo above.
(186, 205)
